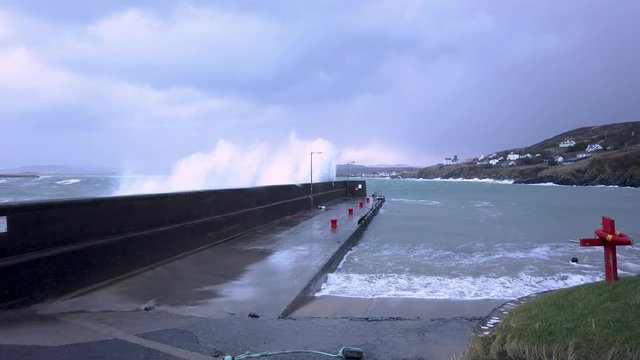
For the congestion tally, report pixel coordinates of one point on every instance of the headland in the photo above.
(597, 155)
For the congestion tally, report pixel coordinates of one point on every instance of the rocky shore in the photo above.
(616, 162)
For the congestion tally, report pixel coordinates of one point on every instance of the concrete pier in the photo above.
(253, 293)
(266, 272)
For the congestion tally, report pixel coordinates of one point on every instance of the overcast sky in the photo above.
(139, 87)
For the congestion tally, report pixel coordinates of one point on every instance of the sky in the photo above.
(145, 86)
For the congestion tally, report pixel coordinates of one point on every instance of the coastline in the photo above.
(499, 181)
(19, 176)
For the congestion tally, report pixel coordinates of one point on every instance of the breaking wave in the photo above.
(415, 201)
(485, 180)
(68, 182)
(453, 288)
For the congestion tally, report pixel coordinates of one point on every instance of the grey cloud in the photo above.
(431, 78)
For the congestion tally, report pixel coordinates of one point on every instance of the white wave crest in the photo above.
(415, 201)
(545, 184)
(485, 180)
(453, 288)
(228, 165)
(482, 204)
(68, 182)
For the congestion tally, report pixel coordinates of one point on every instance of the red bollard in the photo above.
(361, 204)
(608, 238)
(350, 211)
(334, 223)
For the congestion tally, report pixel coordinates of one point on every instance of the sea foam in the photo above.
(68, 182)
(453, 288)
(229, 165)
(415, 201)
(485, 180)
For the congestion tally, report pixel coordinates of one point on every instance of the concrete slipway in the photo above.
(198, 306)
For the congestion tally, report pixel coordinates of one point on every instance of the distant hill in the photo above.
(596, 155)
(57, 170)
(398, 171)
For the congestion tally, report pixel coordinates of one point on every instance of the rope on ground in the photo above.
(344, 353)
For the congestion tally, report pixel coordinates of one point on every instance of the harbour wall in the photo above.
(52, 248)
(313, 286)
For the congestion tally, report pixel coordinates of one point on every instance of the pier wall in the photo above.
(52, 248)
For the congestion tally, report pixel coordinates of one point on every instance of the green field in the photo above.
(593, 321)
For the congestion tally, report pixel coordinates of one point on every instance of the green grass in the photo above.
(593, 321)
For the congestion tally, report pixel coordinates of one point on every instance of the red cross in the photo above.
(608, 238)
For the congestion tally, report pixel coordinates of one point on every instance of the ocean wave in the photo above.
(545, 184)
(587, 186)
(68, 182)
(454, 288)
(484, 180)
(482, 204)
(415, 201)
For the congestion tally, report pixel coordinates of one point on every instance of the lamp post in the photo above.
(311, 177)
(348, 173)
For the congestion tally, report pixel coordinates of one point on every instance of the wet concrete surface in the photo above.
(261, 272)
(198, 307)
(335, 306)
(134, 335)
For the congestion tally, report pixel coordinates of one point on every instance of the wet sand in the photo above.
(334, 306)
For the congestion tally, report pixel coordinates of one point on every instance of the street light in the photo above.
(311, 177)
(349, 163)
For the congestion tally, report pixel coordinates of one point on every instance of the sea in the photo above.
(447, 239)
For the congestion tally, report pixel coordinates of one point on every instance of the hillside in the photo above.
(394, 171)
(35, 170)
(613, 159)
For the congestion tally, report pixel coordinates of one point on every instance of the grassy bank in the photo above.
(593, 321)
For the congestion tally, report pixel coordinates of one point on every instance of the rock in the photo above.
(574, 259)
(253, 315)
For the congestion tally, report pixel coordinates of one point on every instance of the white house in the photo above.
(451, 161)
(583, 155)
(512, 163)
(593, 147)
(513, 156)
(493, 155)
(558, 158)
(494, 161)
(567, 143)
(528, 156)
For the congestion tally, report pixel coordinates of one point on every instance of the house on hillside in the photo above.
(594, 147)
(567, 143)
(558, 158)
(583, 155)
(451, 161)
(496, 161)
(512, 156)
(512, 163)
